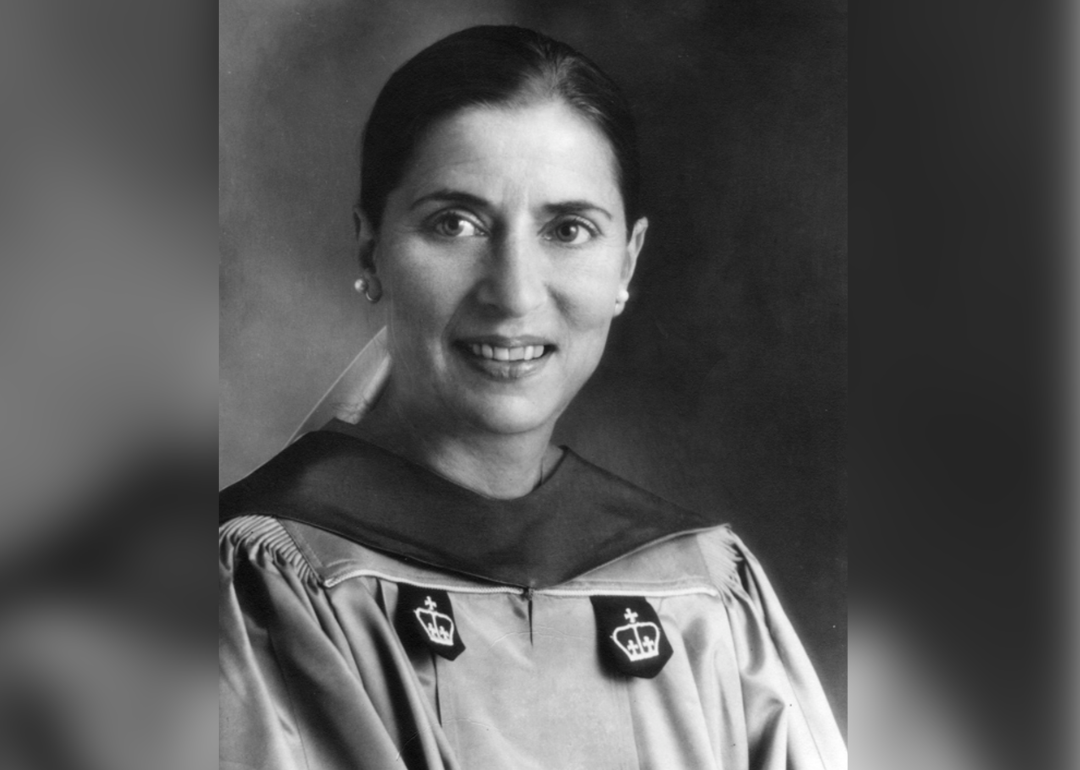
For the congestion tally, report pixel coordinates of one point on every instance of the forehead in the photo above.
(544, 150)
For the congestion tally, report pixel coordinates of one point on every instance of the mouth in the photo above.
(506, 359)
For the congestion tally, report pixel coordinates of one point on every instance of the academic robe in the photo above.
(375, 615)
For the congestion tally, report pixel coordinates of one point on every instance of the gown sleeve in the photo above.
(789, 723)
(295, 690)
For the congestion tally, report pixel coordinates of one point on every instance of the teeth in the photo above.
(495, 353)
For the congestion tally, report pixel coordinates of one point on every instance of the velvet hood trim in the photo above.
(580, 518)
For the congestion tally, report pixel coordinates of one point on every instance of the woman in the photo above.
(429, 583)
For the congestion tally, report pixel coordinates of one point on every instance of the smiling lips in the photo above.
(506, 359)
(497, 353)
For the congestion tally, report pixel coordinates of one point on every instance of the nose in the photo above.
(514, 283)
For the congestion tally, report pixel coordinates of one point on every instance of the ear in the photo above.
(366, 241)
(633, 247)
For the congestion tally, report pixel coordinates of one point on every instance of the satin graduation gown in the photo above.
(374, 615)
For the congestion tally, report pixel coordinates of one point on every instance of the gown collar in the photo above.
(580, 518)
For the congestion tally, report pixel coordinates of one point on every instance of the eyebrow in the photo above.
(576, 207)
(450, 196)
(446, 195)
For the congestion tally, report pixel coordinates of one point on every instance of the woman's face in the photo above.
(501, 255)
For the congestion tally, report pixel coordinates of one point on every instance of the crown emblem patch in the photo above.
(631, 638)
(426, 617)
(438, 627)
(638, 641)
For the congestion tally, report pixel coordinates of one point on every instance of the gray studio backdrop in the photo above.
(723, 386)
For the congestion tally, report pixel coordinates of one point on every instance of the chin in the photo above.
(509, 419)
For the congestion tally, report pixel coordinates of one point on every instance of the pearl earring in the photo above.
(623, 298)
(370, 288)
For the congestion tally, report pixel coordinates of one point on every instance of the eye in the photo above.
(453, 224)
(572, 232)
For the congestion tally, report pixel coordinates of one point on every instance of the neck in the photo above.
(495, 465)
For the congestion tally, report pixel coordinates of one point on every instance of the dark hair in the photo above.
(489, 66)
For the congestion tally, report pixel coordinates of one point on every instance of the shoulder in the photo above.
(261, 540)
(724, 555)
(320, 557)
(711, 559)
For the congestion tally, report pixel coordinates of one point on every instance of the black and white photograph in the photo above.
(533, 376)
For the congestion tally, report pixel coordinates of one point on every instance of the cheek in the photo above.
(589, 316)
(423, 293)
(589, 297)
